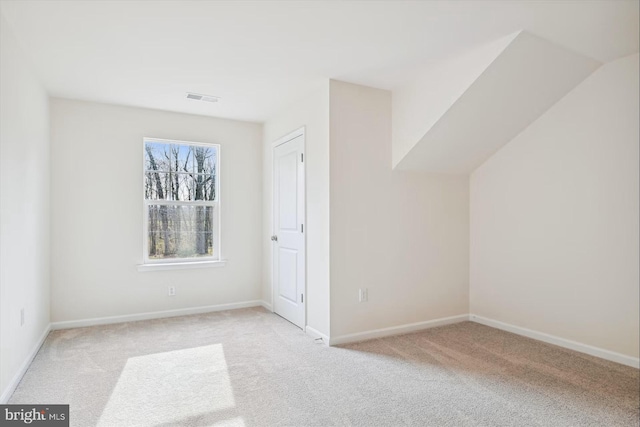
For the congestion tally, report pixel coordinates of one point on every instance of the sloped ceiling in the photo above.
(423, 100)
(520, 82)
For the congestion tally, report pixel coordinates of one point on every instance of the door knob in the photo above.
(274, 238)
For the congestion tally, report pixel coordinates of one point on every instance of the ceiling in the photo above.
(260, 56)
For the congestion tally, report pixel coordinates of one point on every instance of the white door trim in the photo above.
(286, 138)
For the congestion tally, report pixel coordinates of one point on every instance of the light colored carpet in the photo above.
(251, 368)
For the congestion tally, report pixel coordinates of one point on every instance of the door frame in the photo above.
(282, 140)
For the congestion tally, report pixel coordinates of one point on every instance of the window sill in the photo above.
(181, 265)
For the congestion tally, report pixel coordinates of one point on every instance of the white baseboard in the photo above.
(11, 387)
(153, 315)
(396, 330)
(561, 342)
(315, 334)
(266, 305)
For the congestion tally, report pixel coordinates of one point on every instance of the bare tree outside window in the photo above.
(181, 200)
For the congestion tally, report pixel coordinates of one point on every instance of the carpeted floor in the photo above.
(251, 368)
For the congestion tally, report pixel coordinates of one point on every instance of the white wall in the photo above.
(24, 208)
(97, 212)
(404, 236)
(312, 112)
(554, 218)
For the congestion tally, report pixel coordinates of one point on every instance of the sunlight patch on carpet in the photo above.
(167, 387)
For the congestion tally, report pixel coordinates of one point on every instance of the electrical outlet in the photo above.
(363, 295)
(22, 317)
(172, 291)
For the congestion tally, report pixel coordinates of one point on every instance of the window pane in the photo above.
(157, 186)
(181, 231)
(183, 188)
(204, 159)
(182, 158)
(205, 186)
(157, 156)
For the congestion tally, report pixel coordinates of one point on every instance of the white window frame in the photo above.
(153, 264)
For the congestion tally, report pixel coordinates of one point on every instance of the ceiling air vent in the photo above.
(200, 97)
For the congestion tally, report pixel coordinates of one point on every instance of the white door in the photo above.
(288, 229)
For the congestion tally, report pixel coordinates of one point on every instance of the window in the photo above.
(181, 201)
